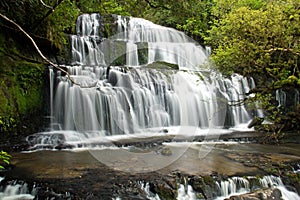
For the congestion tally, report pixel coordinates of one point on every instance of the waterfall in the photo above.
(51, 80)
(240, 185)
(145, 98)
(287, 99)
(16, 190)
(184, 193)
(144, 76)
(281, 97)
(234, 185)
(146, 188)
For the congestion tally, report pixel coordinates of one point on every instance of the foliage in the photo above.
(221, 8)
(7, 124)
(20, 94)
(61, 21)
(4, 159)
(190, 16)
(256, 40)
(198, 19)
(261, 41)
(21, 85)
(104, 7)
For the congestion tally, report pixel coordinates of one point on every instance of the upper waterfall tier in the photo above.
(132, 42)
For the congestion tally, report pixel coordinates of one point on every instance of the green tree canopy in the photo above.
(263, 42)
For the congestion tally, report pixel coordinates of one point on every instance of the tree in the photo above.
(263, 43)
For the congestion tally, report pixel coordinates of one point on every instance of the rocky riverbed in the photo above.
(124, 172)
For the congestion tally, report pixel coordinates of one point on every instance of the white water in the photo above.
(127, 103)
(227, 188)
(238, 186)
(15, 191)
(133, 99)
(51, 81)
(293, 95)
(186, 193)
(146, 188)
(100, 140)
(162, 43)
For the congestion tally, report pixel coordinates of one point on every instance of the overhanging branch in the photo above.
(51, 8)
(38, 50)
(47, 14)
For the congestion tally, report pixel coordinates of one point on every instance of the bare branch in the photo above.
(283, 49)
(38, 50)
(34, 26)
(51, 8)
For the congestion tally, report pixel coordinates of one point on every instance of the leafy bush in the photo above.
(4, 159)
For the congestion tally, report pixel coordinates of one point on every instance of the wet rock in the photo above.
(46, 138)
(264, 194)
(164, 190)
(51, 195)
(64, 146)
(204, 186)
(255, 122)
(162, 65)
(164, 130)
(165, 151)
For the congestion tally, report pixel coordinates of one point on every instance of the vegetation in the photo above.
(4, 159)
(257, 38)
(21, 89)
(261, 40)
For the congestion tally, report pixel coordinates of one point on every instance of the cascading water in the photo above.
(240, 185)
(16, 190)
(51, 81)
(144, 76)
(288, 99)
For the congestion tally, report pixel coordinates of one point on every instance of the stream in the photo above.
(128, 172)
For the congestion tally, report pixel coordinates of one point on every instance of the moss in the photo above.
(164, 191)
(142, 52)
(21, 86)
(163, 65)
(29, 82)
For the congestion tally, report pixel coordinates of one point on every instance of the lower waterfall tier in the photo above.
(122, 100)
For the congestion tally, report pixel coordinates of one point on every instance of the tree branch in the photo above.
(39, 51)
(47, 14)
(282, 49)
(51, 8)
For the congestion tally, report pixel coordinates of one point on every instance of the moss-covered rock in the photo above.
(21, 86)
(162, 65)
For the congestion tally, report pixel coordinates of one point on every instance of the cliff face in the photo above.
(22, 86)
